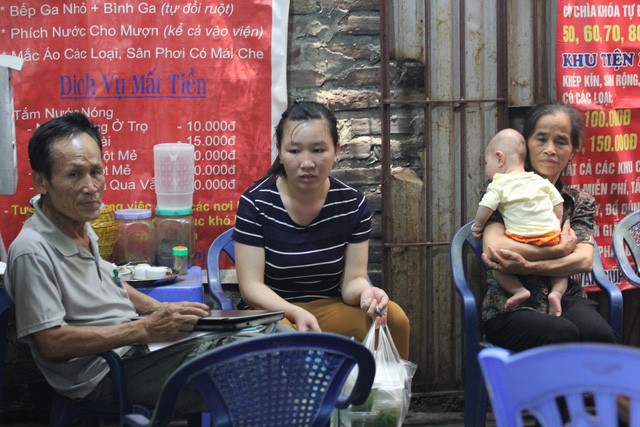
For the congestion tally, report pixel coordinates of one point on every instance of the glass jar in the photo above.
(136, 236)
(174, 227)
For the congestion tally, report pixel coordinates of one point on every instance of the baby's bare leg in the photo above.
(511, 284)
(558, 288)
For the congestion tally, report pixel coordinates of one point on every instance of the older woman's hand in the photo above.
(374, 301)
(506, 261)
(568, 239)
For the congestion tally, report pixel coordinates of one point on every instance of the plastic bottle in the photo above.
(180, 260)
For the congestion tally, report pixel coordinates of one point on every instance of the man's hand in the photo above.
(506, 261)
(172, 321)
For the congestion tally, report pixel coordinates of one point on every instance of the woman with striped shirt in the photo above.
(302, 237)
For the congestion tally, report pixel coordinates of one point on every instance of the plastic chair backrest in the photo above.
(65, 411)
(284, 379)
(534, 379)
(222, 243)
(475, 394)
(626, 234)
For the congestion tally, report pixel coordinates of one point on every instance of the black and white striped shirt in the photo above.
(303, 263)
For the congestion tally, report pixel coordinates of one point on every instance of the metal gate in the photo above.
(456, 71)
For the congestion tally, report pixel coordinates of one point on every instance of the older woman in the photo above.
(553, 132)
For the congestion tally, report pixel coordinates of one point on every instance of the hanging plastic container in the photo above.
(174, 227)
(174, 166)
(136, 236)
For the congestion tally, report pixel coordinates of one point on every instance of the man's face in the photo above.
(73, 195)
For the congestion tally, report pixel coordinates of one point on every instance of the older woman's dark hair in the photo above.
(302, 111)
(64, 127)
(553, 108)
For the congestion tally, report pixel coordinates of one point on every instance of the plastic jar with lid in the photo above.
(136, 236)
(174, 227)
(180, 255)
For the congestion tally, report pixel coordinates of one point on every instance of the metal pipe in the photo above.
(502, 64)
(385, 137)
(461, 101)
(416, 244)
(463, 113)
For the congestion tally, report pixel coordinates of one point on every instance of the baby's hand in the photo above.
(476, 231)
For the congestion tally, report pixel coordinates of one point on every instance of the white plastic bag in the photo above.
(388, 402)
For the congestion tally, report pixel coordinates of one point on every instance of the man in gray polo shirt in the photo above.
(69, 304)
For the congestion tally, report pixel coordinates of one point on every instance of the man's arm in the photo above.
(168, 322)
(143, 303)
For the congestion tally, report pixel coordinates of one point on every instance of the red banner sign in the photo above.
(208, 74)
(597, 60)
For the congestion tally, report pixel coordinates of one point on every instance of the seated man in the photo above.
(69, 304)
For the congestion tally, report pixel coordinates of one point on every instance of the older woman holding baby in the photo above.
(553, 133)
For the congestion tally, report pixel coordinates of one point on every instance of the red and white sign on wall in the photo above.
(597, 70)
(210, 74)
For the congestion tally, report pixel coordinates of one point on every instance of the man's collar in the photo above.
(52, 234)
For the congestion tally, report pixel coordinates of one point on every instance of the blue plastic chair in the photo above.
(626, 234)
(475, 393)
(65, 411)
(222, 244)
(5, 308)
(286, 379)
(532, 381)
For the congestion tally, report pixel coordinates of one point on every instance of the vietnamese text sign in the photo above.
(597, 69)
(210, 74)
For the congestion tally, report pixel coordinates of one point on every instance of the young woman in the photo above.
(302, 237)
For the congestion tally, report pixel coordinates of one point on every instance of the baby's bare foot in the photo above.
(520, 296)
(555, 306)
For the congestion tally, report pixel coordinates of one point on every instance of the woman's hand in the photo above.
(374, 301)
(568, 239)
(305, 321)
(505, 261)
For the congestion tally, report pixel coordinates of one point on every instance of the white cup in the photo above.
(140, 271)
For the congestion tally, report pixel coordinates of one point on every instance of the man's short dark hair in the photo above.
(64, 127)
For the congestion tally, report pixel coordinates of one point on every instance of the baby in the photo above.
(530, 206)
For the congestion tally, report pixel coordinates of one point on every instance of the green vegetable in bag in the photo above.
(368, 404)
(388, 418)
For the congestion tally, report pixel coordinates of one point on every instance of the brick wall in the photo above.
(334, 58)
